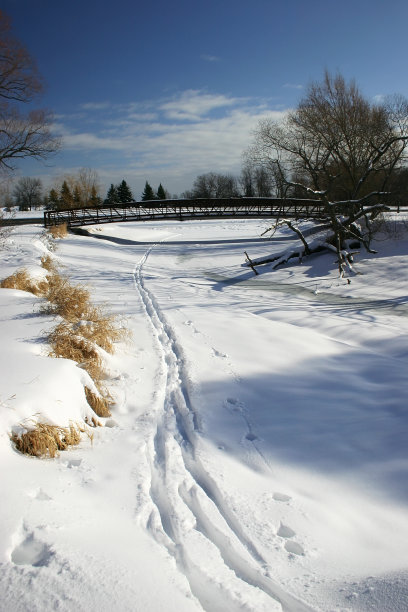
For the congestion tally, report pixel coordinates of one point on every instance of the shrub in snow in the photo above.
(24, 282)
(46, 440)
(58, 231)
(83, 334)
(98, 403)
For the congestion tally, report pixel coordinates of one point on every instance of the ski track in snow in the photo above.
(188, 512)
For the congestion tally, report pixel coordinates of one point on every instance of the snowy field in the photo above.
(256, 458)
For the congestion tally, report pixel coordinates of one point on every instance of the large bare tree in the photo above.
(28, 193)
(339, 148)
(213, 185)
(22, 134)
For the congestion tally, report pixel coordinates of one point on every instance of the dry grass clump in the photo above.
(99, 404)
(47, 440)
(69, 301)
(58, 231)
(48, 263)
(85, 329)
(101, 328)
(22, 280)
(72, 303)
(65, 343)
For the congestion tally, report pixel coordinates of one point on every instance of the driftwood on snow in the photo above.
(316, 245)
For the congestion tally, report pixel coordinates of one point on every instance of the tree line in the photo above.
(75, 191)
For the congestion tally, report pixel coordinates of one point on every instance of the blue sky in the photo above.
(166, 90)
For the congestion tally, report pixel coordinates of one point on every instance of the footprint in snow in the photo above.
(191, 324)
(281, 497)
(31, 552)
(232, 403)
(285, 532)
(40, 495)
(218, 353)
(251, 437)
(73, 463)
(294, 548)
(291, 547)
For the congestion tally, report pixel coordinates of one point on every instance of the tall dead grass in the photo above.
(101, 328)
(48, 263)
(69, 301)
(66, 344)
(58, 231)
(98, 403)
(47, 440)
(84, 330)
(24, 282)
(85, 327)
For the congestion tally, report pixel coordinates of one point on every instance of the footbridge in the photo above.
(180, 210)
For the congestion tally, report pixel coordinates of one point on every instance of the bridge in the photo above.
(181, 210)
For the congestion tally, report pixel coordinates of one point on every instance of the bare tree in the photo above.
(339, 148)
(87, 183)
(28, 193)
(256, 181)
(6, 208)
(214, 185)
(76, 190)
(246, 180)
(263, 182)
(21, 134)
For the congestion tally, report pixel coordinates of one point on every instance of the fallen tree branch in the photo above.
(250, 263)
(317, 246)
(282, 258)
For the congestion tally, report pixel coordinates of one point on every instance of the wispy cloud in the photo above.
(379, 98)
(209, 58)
(95, 105)
(292, 86)
(175, 139)
(193, 104)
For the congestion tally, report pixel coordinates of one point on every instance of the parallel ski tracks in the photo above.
(187, 505)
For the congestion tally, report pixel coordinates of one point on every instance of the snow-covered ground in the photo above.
(257, 456)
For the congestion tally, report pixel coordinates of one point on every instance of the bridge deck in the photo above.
(239, 208)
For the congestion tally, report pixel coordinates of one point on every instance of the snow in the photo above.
(256, 456)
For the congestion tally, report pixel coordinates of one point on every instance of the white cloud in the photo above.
(95, 105)
(379, 98)
(193, 104)
(209, 58)
(292, 86)
(175, 140)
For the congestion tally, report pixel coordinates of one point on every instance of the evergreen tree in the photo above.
(148, 193)
(77, 200)
(95, 200)
(66, 199)
(124, 192)
(161, 194)
(112, 195)
(53, 200)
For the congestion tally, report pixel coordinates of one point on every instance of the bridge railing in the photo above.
(181, 209)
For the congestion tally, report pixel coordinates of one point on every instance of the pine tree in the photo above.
(77, 200)
(148, 193)
(66, 199)
(161, 194)
(52, 200)
(112, 195)
(95, 199)
(124, 193)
